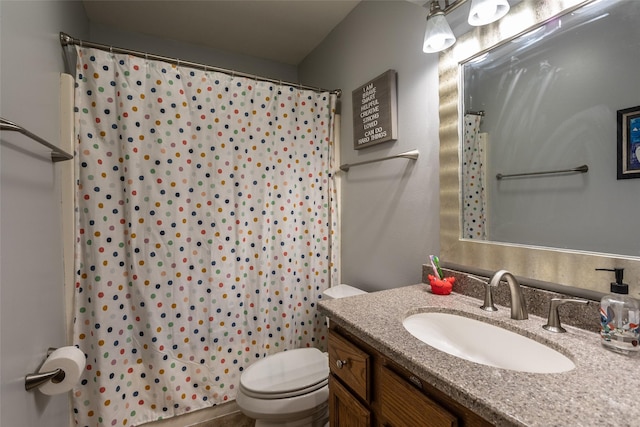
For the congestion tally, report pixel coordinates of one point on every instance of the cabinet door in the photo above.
(402, 405)
(351, 365)
(344, 409)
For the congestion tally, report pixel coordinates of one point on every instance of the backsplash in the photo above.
(583, 316)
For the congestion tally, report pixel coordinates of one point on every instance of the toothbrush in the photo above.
(437, 262)
(435, 265)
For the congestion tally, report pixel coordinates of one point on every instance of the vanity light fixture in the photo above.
(438, 35)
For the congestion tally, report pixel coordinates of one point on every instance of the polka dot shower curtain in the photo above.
(204, 232)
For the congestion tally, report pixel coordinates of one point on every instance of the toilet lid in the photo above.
(286, 372)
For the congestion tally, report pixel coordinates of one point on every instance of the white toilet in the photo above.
(290, 388)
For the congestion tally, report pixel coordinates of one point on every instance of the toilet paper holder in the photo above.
(35, 380)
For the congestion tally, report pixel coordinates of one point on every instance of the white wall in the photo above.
(31, 284)
(390, 221)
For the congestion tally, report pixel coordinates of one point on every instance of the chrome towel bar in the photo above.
(413, 155)
(579, 169)
(57, 154)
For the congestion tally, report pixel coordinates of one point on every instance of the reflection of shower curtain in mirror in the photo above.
(473, 179)
(204, 232)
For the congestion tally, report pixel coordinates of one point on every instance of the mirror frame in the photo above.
(566, 267)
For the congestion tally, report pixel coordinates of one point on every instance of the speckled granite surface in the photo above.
(601, 390)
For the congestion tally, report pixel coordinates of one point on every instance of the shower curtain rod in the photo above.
(66, 40)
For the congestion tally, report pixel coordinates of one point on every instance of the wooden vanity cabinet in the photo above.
(367, 389)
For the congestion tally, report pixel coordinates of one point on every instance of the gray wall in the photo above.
(390, 210)
(189, 52)
(32, 316)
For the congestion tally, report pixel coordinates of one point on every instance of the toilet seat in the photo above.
(284, 412)
(286, 374)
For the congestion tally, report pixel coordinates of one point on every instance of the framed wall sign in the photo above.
(629, 143)
(375, 111)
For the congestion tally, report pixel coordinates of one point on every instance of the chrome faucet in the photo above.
(518, 304)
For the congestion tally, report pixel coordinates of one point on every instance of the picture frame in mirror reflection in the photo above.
(629, 143)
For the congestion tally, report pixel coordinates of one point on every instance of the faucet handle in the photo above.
(488, 293)
(553, 321)
(488, 298)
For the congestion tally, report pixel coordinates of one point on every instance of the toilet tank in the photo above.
(341, 291)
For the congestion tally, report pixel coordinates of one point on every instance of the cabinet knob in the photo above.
(416, 381)
(341, 363)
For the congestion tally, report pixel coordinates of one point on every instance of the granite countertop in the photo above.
(601, 390)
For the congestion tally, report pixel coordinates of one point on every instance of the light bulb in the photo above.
(438, 42)
(483, 12)
(438, 35)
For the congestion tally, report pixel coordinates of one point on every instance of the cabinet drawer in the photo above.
(401, 404)
(350, 364)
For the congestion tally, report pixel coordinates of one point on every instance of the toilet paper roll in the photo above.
(71, 360)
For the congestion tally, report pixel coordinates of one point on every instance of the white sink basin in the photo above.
(485, 343)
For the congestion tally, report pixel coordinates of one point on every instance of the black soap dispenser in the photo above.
(619, 317)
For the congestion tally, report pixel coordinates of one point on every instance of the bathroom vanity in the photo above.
(383, 375)
(365, 385)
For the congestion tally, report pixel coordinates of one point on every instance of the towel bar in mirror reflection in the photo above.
(579, 169)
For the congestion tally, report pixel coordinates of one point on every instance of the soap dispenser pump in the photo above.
(619, 317)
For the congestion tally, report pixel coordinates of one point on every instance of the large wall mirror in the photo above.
(539, 91)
